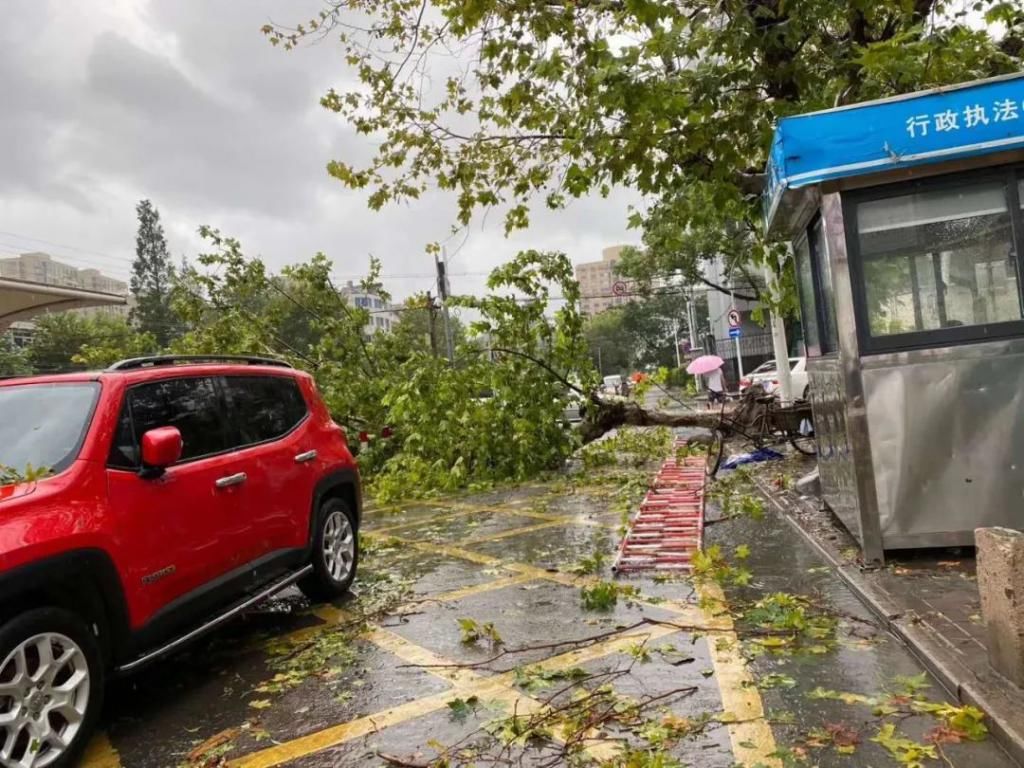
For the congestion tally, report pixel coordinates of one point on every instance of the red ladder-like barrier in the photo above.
(669, 527)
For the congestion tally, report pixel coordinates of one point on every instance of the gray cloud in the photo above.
(185, 103)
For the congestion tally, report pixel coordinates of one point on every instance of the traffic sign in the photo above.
(619, 288)
(734, 318)
(734, 333)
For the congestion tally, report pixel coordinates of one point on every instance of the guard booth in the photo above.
(905, 216)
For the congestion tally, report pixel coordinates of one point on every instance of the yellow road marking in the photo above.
(567, 519)
(475, 589)
(449, 514)
(101, 753)
(537, 514)
(751, 737)
(496, 687)
(513, 532)
(740, 697)
(411, 653)
(753, 742)
(339, 734)
(458, 552)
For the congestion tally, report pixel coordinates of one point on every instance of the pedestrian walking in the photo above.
(716, 389)
(710, 367)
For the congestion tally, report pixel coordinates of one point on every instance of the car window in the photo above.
(193, 405)
(43, 425)
(264, 407)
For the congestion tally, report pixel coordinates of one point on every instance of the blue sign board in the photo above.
(929, 127)
(734, 333)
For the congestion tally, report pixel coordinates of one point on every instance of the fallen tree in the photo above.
(608, 415)
(494, 414)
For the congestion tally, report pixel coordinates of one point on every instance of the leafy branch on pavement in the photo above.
(473, 632)
(567, 720)
(604, 595)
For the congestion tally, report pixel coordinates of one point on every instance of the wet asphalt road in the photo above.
(293, 684)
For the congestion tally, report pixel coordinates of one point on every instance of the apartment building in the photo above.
(598, 281)
(383, 316)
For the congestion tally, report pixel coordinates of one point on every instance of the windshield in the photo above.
(42, 425)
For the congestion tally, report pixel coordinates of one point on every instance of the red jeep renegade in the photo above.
(179, 491)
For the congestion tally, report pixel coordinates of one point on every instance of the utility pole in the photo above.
(600, 367)
(442, 291)
(432, 322)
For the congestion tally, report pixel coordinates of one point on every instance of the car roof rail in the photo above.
(159, 360)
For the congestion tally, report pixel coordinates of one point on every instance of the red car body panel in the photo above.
(171, 535)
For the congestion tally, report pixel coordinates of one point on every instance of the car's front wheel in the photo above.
(335, 552)
(51, 688)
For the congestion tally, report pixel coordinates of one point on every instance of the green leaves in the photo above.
(905, 751)
(473, 632)
(536, 679)
(604, 595)
(30, 474)
(460, 709)
(494, 416)
(678, 104)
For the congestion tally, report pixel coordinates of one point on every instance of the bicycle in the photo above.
(763, 422)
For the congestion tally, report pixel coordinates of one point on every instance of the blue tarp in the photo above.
(759, 454)
(976, 118)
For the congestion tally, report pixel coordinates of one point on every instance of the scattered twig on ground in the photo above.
(402, 762)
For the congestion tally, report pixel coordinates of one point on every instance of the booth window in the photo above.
(936, 265)
(808, 303)
(822, 272)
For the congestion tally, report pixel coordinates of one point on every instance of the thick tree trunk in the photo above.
(606, 415)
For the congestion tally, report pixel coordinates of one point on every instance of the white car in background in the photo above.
(765, 375)
(612, 384)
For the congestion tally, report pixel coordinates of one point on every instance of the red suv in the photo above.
(178, 492)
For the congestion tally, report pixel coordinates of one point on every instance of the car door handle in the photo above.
(302, 458)
(227, 482)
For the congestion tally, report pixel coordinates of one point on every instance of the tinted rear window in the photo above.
(264, 407)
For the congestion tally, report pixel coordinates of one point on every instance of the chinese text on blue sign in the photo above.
(932, 126)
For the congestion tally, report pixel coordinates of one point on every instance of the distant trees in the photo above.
(640, 333)
(72, 341)
(13, 361)
(152, 281)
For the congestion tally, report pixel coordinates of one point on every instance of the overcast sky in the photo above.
(184, 102)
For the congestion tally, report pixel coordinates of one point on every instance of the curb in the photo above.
(996, 698)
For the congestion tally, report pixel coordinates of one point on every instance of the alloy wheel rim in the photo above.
(339, 545)
(44, 694)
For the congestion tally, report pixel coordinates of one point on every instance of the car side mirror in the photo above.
(161, 447)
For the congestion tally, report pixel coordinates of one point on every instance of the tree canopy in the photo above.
(68, 341)
(507, 104)
(152, 277)
(641, 334)
(493, 415)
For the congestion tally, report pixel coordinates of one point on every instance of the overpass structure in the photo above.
(24, 299)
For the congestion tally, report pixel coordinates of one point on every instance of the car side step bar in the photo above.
(215, 622)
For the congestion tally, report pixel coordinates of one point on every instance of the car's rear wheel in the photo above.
(335, 552)
(51, 688)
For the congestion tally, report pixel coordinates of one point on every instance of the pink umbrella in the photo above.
(704, 364)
